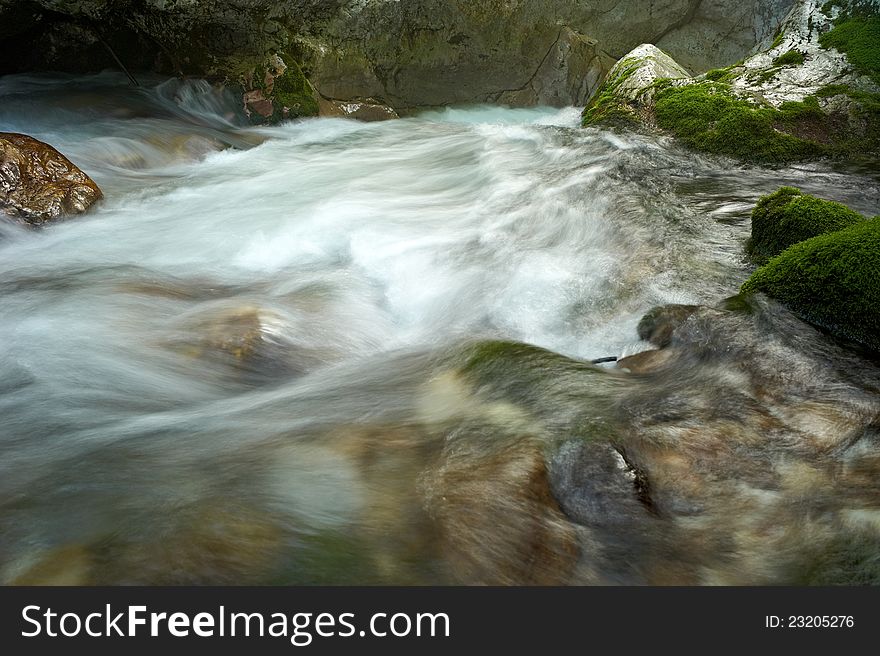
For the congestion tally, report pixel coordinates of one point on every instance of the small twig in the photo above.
(603, 360)
(118, 61)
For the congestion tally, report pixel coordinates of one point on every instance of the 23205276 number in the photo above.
(810, 622)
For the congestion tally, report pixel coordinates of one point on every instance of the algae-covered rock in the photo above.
(788, 216)
(832, 281)
(38, 184)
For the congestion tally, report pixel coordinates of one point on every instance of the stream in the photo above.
(342, 352)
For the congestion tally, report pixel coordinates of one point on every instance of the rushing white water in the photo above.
(348, 240)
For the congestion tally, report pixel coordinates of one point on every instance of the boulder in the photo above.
(658, 325)
(277, 89)
(787, 216)
(832, 281)
(630, 86)
(38, 184)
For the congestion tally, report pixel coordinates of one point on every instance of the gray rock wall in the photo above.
(407, 53)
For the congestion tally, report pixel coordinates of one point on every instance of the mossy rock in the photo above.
(293, 94)
(788, 216)
(541, 384)
(275, 89)
(708, 116)
(832, 281)
(630, 86)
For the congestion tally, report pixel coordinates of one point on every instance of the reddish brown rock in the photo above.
(38, 184)
(255, 101)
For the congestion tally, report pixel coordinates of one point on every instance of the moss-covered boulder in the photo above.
(629, 88)
(832, 281)
(788, 216)
(713, 117)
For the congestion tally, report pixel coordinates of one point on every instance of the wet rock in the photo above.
(38, 184)
(254, 341)
(212, 541)
(68, 565)
(630, 87)
(276, 89)
(645, 361)
(658, 325)
(362, 111)
(499, 522)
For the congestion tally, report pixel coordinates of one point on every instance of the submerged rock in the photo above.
(746, 451)
(256, 343)
(788, 216)
(814, 91)
(658, 325)
(38, 184)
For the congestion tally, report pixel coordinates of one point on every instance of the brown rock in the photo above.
(255, 101)
(39, 184)
(362, 111)
(658, 325)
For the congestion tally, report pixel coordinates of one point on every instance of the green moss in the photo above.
(606, 107)
(541, 384)
(790, 58)
(788, 216)
(857, 34)
(720, 74)
(766, 75)
(778, 40)
(831, 280)
(709, 117)
(293, 92)
(830, 90)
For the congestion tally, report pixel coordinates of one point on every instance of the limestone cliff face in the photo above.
(406, 53)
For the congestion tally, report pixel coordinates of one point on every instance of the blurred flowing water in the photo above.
(234, 368)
